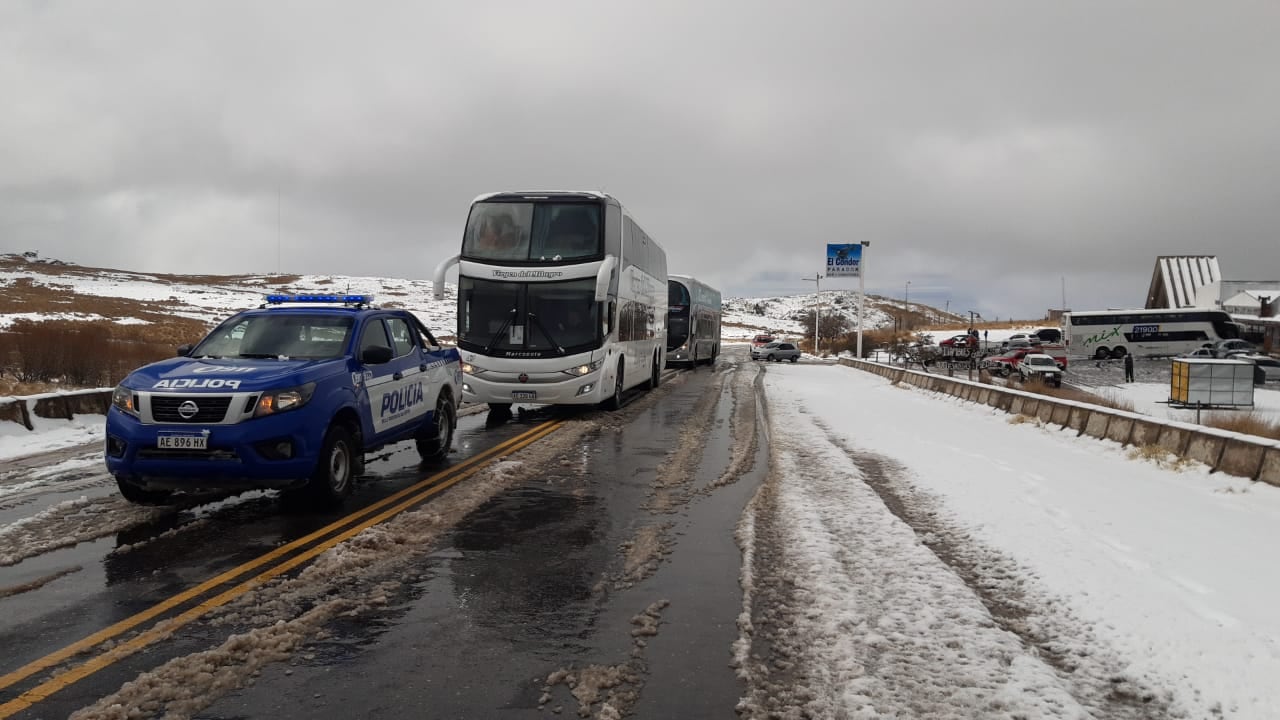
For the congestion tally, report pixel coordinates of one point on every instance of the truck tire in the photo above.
(139, 496)
(331, 481)
(435, 439)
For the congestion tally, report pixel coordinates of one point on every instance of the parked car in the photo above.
(1019, 340)
(1003, 365)
(1204, 352)
(1039, 367)
(1227, 348)
(291, 396)
(960, 340)
(776, 351)
(762, 340)
(1048, 335)
(1266, 368)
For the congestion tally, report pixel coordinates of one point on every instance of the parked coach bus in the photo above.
(693, 321)
(1115, 333)
(560, 300)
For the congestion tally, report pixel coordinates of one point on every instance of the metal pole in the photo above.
(862, 294)
(817, 279)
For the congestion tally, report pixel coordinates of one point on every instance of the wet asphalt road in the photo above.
(537, 579)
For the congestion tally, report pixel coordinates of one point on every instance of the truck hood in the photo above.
(229, 375)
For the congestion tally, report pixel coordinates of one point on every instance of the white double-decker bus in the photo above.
(1160, 332)
(693, 321)
(561, 300)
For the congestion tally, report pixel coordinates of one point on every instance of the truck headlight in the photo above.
(580, 370)
(125, 399)
(277, 401)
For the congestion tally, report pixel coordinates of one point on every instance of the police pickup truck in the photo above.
(290, 395)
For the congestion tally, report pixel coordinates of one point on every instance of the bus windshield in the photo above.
(533, 232)
(677, 315)
(528, 319)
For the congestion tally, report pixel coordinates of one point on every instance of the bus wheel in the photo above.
(615, 401)
(1101, 354)
(655, 375)
(1118, 352)
(715, 352)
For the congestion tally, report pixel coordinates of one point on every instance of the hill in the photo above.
(183, 307)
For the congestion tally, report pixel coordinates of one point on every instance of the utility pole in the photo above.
(906, 300)
(862, 290)
(817, 306)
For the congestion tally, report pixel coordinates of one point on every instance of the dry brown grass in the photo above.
(1159, 456)
(1247, 423)
(1070, 393)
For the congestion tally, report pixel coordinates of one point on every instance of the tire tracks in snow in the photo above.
(862, 600)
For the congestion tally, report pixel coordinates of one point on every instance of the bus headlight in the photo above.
(470, 369)
(580, 370)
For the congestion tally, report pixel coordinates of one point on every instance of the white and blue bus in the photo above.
(693, 321)
(1152, 332)
(560, 300)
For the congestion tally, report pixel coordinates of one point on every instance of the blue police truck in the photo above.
(290, 395)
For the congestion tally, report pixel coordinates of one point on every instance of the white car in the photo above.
(1038, 366)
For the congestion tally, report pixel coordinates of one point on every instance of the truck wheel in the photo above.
(794, 358)
(330, 482)
(436, 438)
(138, 496)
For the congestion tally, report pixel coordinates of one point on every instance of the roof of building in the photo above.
(1185, 281)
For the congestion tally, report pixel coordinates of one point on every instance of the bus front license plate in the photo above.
(182, 442)
(524, 395)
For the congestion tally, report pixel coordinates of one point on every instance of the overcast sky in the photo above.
(988, 150)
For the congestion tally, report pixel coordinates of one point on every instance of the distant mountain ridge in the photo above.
(37, 288)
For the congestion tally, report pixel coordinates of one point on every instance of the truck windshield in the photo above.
(533, 232)
(283, 335)
(528, 319)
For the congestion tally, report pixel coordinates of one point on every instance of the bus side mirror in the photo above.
(603, 277)
(437, 282)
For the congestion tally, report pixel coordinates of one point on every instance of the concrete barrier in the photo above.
(1233, 453)
(61, 406)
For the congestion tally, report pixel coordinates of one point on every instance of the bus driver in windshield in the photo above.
(498, 237)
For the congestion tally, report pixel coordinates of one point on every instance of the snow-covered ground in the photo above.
(16, 440)
(1138, 589)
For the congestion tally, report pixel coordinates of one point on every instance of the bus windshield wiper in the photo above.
(511, 315)
(543, 328)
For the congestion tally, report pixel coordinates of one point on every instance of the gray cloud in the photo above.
(990, 151)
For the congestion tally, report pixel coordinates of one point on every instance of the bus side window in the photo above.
(609, 317)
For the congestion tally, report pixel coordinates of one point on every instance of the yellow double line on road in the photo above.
(353, 524)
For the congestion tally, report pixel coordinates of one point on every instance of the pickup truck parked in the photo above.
(1039, 367)
(1004, 365)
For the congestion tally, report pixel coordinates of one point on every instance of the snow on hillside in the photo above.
(744, 317)
(210, 298)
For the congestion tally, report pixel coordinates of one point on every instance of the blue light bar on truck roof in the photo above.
(353, 299)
